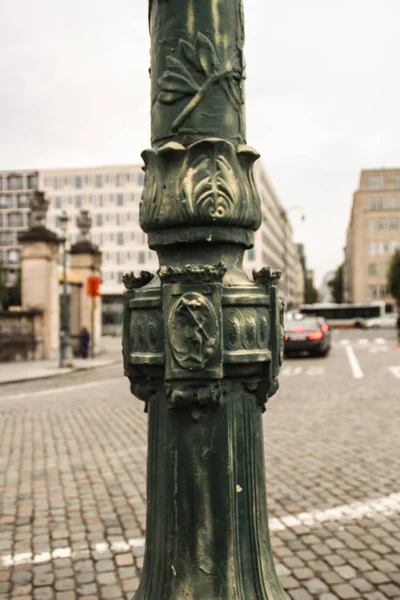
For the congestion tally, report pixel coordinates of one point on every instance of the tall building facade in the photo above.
(16, 192)
(112, 195)
(372, 236)
(274, 244)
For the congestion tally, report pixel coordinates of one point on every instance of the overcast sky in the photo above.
(322, 90)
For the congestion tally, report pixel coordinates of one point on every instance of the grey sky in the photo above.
(323, 96)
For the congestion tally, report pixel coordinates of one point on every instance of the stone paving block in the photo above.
(300, 594)
(316, 586)
(344, 591)
(110, 592)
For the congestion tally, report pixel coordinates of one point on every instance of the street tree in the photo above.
(393, 276)
(336, 285)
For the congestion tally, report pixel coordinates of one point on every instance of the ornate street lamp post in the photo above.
(65, 344)
(202, 343)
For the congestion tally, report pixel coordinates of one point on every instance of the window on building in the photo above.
(99, 219)
(382, 269)
(394, 224)
(132, 236)
(120, 238)
(251, 255)
(55, 183)
(372, 269)
(32, 181)
(78, 201)
(371, 225)
(394, 202)
(23, 200)
(381, 204)
(141, 258)
(99, 200)
(120, 199)
(382, 224)
(57, 202)
(382, 247)
(15, 219)
(15, 182)
(371, 203)
(376, 182)
(397, 182)
(372, 291)
(13, 256)
(120, 276)
(6, 238)
(78, 181)
(393, 246)
(371, 248)
(6, 201)
(86, 179)
(141, 178)
(383, 291)
(1, 182)
(99, 180)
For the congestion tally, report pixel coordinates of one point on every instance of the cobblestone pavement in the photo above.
(72, 481)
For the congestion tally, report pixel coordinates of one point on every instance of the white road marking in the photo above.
(354, 364)
(395, 371)
(62, 390)
(380, 341)
(345, 342)
(385, 505)
(376, 349)
(290, 371)
(363, 342)
(315, 371)
(8, 560)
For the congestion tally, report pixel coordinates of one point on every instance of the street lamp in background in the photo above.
(284, 216)
(65, 344)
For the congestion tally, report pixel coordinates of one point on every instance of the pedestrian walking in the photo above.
(84, 340)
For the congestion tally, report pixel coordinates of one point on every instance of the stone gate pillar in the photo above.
(86, 262)
(39, 277)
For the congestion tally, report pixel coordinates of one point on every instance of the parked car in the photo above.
(388, 321)
(307, 334)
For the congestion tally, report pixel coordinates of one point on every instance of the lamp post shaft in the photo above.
(203, 343)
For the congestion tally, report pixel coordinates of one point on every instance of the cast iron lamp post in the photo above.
(284, 216)
(65, 344)
(202, 343)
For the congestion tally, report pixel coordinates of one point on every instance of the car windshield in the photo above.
(304, 324)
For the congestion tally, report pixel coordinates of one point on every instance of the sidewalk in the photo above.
(42, 369)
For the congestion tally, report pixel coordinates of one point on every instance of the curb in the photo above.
(67, 371)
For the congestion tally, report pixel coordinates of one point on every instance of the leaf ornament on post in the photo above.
(196, 70)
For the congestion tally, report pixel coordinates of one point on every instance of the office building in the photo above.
(372, 236)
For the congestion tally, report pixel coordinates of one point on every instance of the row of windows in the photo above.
(98, 180)
(11, 256)
(377, 182)
(382, 247)
(16, 181)
(11, 201)
(118, 218)
(14, 219)
(378, 269)
(383, 224)
(122, 257)
(96, 200)
(377, 291)
(383, 202)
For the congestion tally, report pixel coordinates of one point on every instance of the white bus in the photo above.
(345, 315)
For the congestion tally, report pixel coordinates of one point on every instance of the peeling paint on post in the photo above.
(202, 343)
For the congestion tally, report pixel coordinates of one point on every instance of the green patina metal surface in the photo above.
(202, 343)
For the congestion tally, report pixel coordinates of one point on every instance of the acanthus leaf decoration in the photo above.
(196, 70)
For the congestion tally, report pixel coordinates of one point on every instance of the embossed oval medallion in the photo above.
(193, 331)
